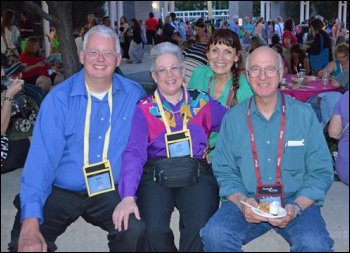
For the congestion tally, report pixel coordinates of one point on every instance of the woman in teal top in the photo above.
(222, 79)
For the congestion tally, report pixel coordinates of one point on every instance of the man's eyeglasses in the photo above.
(173, 70)
(269, 72)
(94, 53)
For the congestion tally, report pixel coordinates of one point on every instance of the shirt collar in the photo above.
(278, 107)
(79, 84)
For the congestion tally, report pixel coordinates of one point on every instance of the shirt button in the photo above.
(268, 142)
(98, 156)
(100, 137)
(270, 178)
(102, 119)
(269, 160)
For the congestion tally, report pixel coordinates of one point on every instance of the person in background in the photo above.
(135, 49)
(80, 39)
(195, 55)
(9, 32)
(339, 129)
(299, 60)
(124, 37)
(222, 78)
(26, 29)
(91, 21)
(339, 67)
(151, 25)
(36, 71)
(82, 127)
(266, 153)
(170, 130)
(279, 50)
(321, 47)
(13, 152)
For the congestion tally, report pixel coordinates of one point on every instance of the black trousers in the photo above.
(63, 207)
(196, 204)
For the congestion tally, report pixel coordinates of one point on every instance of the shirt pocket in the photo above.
(295, 159)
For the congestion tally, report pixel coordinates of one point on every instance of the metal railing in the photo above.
(194, 15)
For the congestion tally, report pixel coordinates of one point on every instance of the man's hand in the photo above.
(122, 212)
(248, 213)
(284, 221)
(30, 237)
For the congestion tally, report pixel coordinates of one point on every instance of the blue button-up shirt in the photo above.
(306, 162)
(57, 151)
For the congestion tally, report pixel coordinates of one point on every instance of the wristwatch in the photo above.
(298, 208)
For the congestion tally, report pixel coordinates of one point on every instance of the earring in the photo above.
(236, 65)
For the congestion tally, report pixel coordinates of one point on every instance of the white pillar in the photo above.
(113, 13)
(210, 9)
(172, 6)
(262, 9)
(268, 10)
(120, 12)
(46, 29)
(307, 14)
(302, 14)
(165, 9)
(156, 9)
(342, 11)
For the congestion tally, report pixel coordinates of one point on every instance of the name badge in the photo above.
(270, 193)
(178, 144)
(98, 178)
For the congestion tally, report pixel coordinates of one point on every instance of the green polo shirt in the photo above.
(307, 168)
(200, 80)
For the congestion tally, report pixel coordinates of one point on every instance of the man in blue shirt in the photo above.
(74, 161)
(271, 149)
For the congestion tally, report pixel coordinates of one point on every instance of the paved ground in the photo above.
(83, 237)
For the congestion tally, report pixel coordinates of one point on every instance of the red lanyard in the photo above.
(280, 144)
(229, 98)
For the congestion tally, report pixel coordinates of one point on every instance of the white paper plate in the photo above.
(281, 213)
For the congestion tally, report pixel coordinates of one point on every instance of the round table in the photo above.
(309, 89)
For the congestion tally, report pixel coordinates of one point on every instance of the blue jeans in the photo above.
(227, 230)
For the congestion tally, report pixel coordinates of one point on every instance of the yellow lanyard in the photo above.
(161, 110)
(87, 126)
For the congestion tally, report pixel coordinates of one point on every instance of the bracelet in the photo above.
(298, 207)
(8, 99)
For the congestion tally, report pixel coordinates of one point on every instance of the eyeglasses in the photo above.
(269, 71)
(341, 57)
(173, 70)
(94, 53)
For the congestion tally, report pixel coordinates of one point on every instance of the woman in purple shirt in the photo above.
(163, 164)
(339, 129)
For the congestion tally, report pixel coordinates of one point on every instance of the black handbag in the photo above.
(176, 171)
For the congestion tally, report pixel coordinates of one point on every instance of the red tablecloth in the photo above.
(306, 91)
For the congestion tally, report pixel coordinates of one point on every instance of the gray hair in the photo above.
(165, 48)
(103, 31)
(277, 55)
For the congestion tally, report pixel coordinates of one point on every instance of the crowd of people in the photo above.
(216, 128)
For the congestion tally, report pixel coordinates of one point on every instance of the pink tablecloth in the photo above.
(308, 90)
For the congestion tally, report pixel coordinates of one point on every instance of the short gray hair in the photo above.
(165, 48)
(104, 32)
(277, 55)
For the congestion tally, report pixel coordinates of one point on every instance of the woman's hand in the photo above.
(14, 88)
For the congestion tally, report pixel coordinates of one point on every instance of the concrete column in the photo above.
(46, 29)
(165, 9)
(113, 13)
(210, 9)
(307, 14)
(342, 11)
(268, 10)
(120, 12)
(240, 8)
(262, 9)
(172, 6)
(156, 9)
